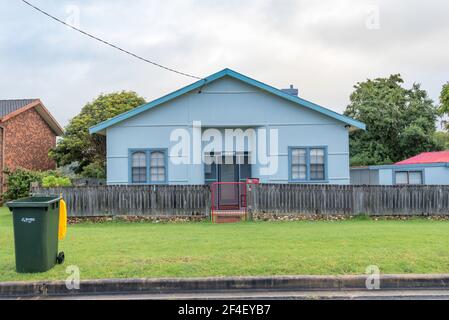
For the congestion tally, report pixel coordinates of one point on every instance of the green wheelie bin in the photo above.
(36, 223)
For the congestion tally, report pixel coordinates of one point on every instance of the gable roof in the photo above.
(427, 157)
(11, 108)
(99, 128)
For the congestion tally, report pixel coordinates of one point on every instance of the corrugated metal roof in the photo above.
(100, 128)
(427, 157)
(9, 106)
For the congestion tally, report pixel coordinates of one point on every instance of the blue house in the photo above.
(431, 168)
(227, 128)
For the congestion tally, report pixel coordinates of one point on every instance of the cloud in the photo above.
(323, 47)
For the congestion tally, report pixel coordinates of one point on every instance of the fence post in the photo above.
(250, 200)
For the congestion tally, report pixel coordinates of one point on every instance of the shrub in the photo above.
(53, 181)
(94, 170)
(18, 183)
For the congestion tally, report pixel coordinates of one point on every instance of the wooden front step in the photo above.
(229, 216)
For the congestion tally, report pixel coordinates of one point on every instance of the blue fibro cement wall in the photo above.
(432, 174)
(228, 104)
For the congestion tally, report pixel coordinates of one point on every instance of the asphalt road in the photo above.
(275, 295)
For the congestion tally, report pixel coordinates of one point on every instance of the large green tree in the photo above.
(443, 110)
(400, 122)
(87, 153)
(442, 138)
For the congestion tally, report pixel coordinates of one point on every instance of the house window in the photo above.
(415, 177)
(299, 164)
(245, 169)
(210, 167)
(214, 164)
(408, 177)
(308, 164)
(139, 167)
(148, 166)
(317, 164)
(157, 167)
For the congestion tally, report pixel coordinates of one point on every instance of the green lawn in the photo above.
(144, 250)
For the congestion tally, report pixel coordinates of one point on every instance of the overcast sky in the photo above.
(322, 47)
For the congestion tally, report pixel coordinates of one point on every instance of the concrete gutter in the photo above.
(229, 284)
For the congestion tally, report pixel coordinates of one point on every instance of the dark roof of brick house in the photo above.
(11, 108)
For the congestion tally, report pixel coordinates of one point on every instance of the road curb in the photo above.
(197, 285)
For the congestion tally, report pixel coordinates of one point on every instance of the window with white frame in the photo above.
(299, 164)
(308, 164)
(157, 166)
(139, 167)
(408, 177)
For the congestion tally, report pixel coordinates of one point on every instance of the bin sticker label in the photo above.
(28, 220)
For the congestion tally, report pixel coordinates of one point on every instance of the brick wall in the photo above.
(28, 139)
(1, 162)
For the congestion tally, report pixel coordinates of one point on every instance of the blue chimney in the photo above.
(291, 91)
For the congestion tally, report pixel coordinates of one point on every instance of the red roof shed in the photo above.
(427, 157)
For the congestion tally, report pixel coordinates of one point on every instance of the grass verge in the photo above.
(146, 250)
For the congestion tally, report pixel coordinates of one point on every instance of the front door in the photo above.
(228, 192)
(233, 170)
(228, 172)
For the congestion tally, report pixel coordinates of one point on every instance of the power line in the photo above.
(110, 44)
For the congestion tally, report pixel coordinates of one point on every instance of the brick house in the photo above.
(27, 132)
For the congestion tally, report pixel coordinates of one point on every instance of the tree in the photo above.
(443, 110)
(442, 138)
(80, 149)
(400, 122)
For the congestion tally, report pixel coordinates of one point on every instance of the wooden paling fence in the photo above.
(133, 200)
(265, 198)
(352, 199)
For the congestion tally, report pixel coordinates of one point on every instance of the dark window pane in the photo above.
(139, 167)
(317, 172)
(139, 175)
(210, 167)
(317, 164)
(244, 162)
(245, 171)
(211, 172)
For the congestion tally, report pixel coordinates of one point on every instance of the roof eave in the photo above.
(43, 112)
(409, 166)
(51, 121)
(101, 132)
(297, 100)
(100, 128)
